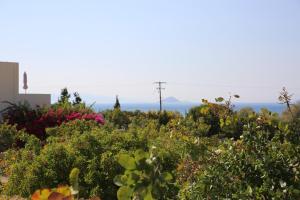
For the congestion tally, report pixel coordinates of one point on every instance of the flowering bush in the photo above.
(55, 118)
(35, 121)
(90, 116)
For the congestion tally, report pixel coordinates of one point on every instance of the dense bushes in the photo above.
(212, 153)
(85, 146)
(252, 168)
(122, 119)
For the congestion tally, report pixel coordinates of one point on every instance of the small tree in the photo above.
(117, 104)
(77, 99)
(64, 96)
(286, 98)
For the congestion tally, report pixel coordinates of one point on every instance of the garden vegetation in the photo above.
(69, 151)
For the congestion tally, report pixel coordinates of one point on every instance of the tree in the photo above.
(286, 98)
(77, 99)
(64, 96)
(117, 104)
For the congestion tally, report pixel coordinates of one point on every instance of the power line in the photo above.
(159, 91)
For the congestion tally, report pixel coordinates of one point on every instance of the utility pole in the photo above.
(159, 91)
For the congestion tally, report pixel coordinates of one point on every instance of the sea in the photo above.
(183, 108)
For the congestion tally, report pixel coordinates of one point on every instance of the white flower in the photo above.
(282, 184)
(218, 151)
(149, 161)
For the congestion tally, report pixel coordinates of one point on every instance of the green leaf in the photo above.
(131, 179)
(144, 192)
(249, 190)
(135, 175)
(124, 193)
(222, 123)
(140, 154)
(167, 176)
(219, 99)
(127, 161)
(148, 195)
(118, 180)
(73, 178)
(228, 122)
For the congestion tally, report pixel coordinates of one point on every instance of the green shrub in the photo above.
(118, 118)
(209, 115)
(254, 167)
(143, 178)
(212, 153)
(78, 144)
(48, 169)
(8, 135)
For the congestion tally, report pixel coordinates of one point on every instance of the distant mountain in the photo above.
(171, 100)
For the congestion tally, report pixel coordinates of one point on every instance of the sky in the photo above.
(202, 49)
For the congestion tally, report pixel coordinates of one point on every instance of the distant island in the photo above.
(171, 100)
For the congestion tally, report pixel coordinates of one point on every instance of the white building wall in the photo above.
(9, 88)
(35, 99)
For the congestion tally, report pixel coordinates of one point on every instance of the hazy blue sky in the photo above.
(203, 49)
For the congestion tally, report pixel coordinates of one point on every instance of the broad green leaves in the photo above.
(140, 155)
(143, 177)
(127, 161)
(124, 193)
